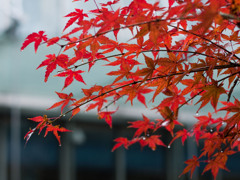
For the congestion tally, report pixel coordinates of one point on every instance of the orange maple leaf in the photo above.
(191, 166)
(55, 130)
(66, 99)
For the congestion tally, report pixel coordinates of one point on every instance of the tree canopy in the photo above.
(182, 54)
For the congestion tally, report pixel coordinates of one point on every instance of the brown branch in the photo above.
(198, 35)
(229, 16)
(203, 90)
(160, 50)
(127, 26)
(157, 77)
(232, 88)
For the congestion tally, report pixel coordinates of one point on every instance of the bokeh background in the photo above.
(85, 153)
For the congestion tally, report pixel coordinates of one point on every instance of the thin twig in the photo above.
(160, 50)
(232, 88)
(127, 26)
(198, 35)
(157, 77)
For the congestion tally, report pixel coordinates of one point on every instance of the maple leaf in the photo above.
(160, 84)
(124, 60)
(110, 19)
(151, 141)
(124, 71)
(211, 93)
(193, 87)
(75, 111)
(42, 123)
(70, 75)
(232, 107)
(135, 91)
(37, 119)
(236, 143)
(219, 162)
(107, 115)
(191, 166)
(147, 72)
(169, 121)
(99, 103)
(66, 99)
(52, 61)
(142, 126)
(77, 15)
(52, 41)
(37, 38)
(120, 142)
(205, 121)
(55, 130)
(174, 100)
(109, 3)
(170, 3)
(184, 134)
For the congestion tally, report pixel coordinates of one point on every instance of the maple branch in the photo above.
(96, 5)
(229, 16)
(232, 88)
(189, 100)
(160, 50)
(149, 79)
(235, 82)
(115, 100)
(198, 35)
(128, 26)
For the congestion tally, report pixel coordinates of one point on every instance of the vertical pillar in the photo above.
(120, 158)
(67, 166)
(175, 161)
(120, 164)
(15, 144)
(3, 149)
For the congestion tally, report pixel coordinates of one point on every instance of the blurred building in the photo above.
(86, 152)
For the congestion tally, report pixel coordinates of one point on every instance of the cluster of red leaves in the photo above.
(186, 52)
(45, 122)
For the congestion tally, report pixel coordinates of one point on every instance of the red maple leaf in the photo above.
(135, 91)
(151, 141)
(191, 166)
(37, 38)
(52, 61)
(218, 162)
(66, 99)
(52, 41)
(170, 2)
(70, 75)
(77, 15)
(184, 134)
(120, 142)
(107, 115)
(211, 93)
(142, 126)
(42, 122)
(55, 130)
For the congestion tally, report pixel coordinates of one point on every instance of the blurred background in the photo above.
(85, 153)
